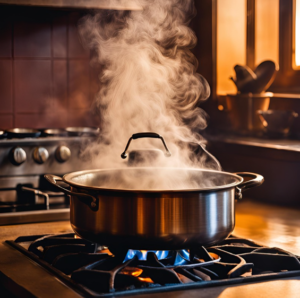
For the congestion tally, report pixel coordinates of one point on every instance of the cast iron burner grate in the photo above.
(95, 271)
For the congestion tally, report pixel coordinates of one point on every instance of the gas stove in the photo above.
(25, 157)
(96, 271)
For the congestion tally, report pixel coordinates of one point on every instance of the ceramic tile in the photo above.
(5, 38)
(60, 37)
(6, 105)
(79, 84)
(6, 121)
(81, 118)
(94, 82)
(51, 120)
(32, 85)
(75, 48)
(60, 83)
(32, 39)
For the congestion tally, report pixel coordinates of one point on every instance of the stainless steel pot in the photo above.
(154, 218)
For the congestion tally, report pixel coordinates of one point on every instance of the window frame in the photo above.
(288, 78)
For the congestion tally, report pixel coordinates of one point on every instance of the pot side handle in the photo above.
(91, 201)
(256, 180)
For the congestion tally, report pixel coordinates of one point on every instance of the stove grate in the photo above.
(97, 272)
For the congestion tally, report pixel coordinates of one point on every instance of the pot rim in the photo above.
(67, 178)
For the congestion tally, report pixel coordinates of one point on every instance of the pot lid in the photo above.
(153, 179)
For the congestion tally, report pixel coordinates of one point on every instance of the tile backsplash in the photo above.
(46, 79)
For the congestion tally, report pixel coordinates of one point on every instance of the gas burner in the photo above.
(82, 131)
(22, 133)
(98, 271)
(54, 132)
(3, 134)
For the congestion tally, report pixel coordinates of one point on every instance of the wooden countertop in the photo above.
(265, 224)
(270, 225)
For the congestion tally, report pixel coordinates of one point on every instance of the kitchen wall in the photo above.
(45, 76)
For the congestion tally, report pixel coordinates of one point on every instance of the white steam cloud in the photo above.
(148, 82)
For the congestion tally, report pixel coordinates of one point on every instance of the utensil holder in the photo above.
(242, 111)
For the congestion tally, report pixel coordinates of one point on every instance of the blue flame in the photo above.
(182, 256)
(142, 255)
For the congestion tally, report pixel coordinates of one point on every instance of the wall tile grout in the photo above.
(45, 58)
(34, 80)
(13, 70)
(52, 65)
(68, 68)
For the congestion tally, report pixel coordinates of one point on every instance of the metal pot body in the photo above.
(155, 220)
(158, 219)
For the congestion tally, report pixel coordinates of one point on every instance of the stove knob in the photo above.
(40, 155)
(17, 156)
(62, 153)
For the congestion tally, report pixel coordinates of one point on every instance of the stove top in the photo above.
(97, 271)
(26, 155)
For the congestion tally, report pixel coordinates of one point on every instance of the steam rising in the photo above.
(148, 82)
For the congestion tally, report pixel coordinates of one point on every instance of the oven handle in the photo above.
(38, 193)
(89, 200)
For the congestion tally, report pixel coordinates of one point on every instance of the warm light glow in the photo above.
(297, 32)
(214, 256)
(136, 272)
(266, 30)
(146, 279)
(132, 271)
(231, 42)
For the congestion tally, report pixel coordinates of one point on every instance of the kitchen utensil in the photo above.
(255, 82)
(242, 112)
(277, 123)
(245, 78)
(153, 218)
(265, 73)
(115, 207)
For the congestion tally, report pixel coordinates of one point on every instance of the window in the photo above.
(251, 31)
(296, 35)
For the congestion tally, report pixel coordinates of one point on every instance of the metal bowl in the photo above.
(277, 123)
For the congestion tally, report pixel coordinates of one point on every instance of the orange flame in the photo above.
(136, 272)
(146, 279)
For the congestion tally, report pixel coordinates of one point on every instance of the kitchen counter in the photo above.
(277, 160)
(265, 224)
(260, 142)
